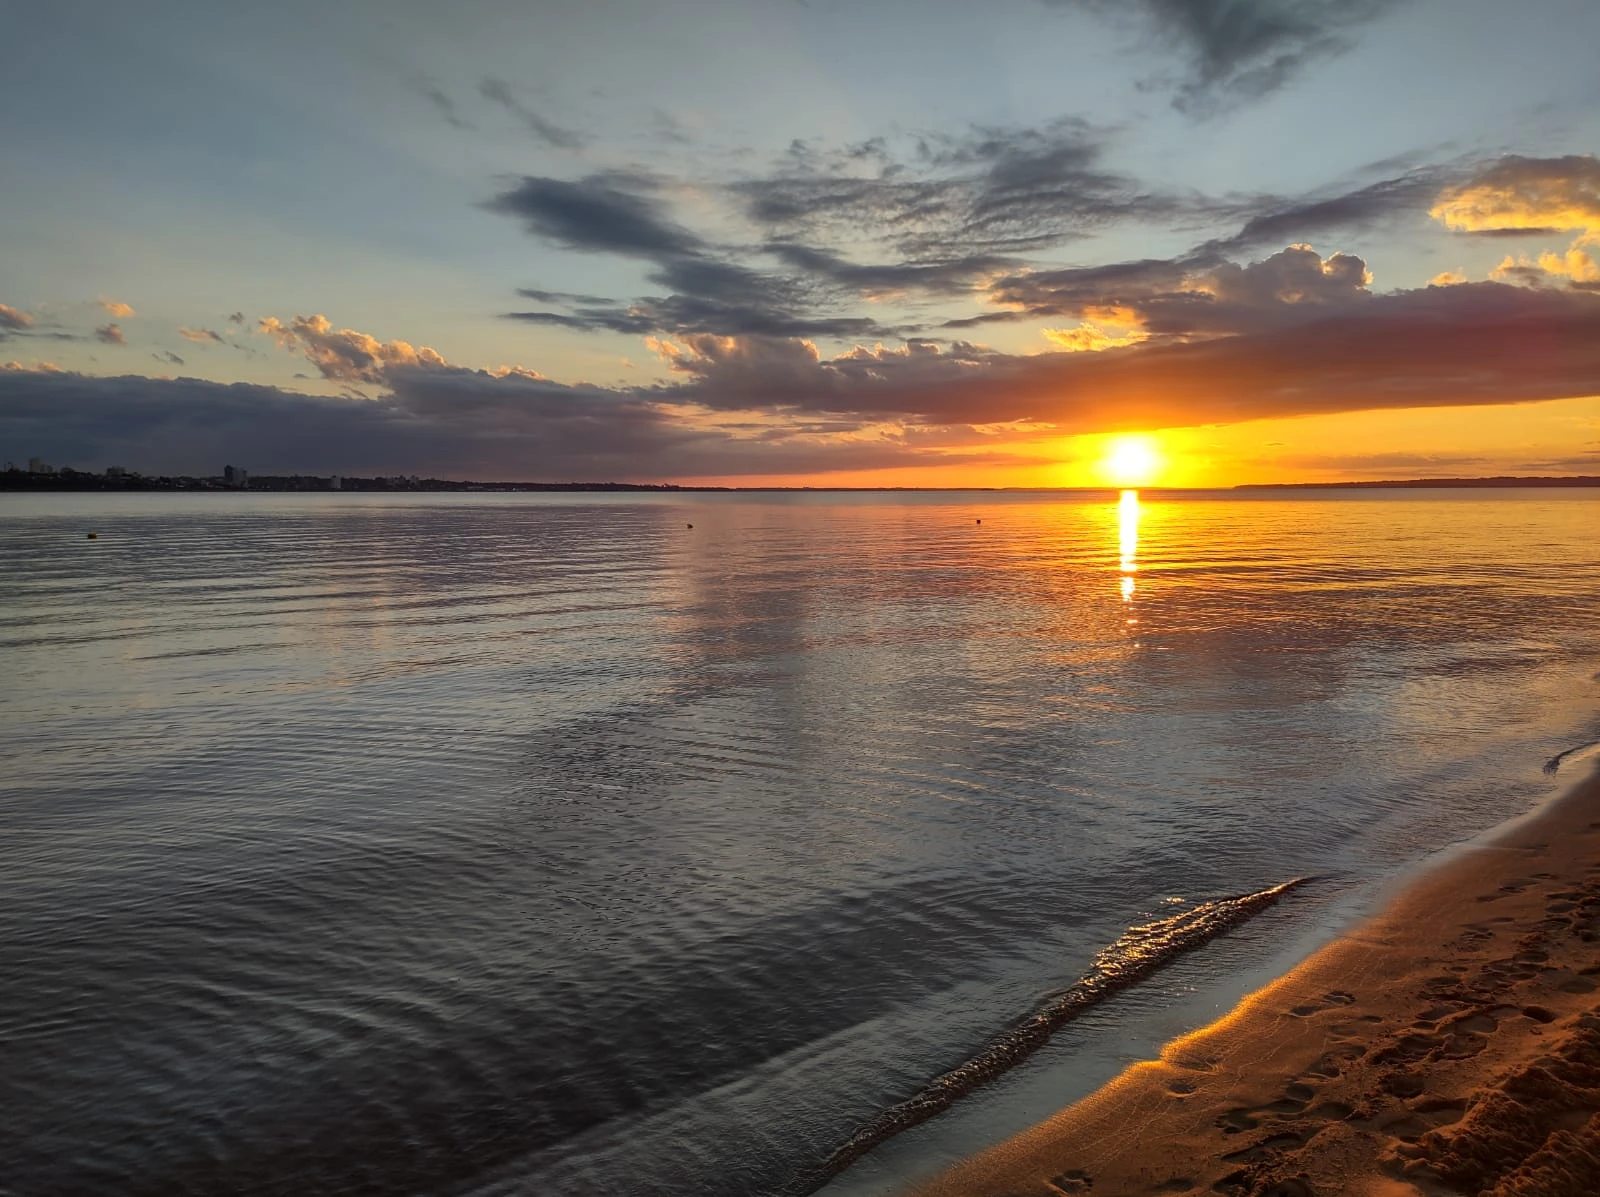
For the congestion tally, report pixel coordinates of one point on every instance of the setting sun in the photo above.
(1132, 460)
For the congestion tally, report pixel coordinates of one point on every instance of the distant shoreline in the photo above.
(80, 481)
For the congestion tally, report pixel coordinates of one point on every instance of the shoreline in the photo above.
(1449, 1042)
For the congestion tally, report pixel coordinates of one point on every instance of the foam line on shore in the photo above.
(1571, 754)
(1138, 953)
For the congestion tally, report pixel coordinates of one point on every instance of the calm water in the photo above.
(526, 844)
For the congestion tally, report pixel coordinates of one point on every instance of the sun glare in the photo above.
(1131, 460)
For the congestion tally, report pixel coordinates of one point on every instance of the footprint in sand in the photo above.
(1074, 1181)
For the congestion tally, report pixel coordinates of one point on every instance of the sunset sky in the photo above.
(803, 241)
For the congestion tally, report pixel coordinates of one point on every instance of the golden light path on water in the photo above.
(1128, 540)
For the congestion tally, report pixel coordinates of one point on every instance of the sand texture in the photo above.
(1448, 1045)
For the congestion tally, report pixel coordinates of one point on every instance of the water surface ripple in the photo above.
(542, 844)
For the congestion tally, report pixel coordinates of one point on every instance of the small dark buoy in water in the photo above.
(688, 525)
(93, 536)
(977, 521)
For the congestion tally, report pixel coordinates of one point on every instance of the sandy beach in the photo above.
(1450, 1044)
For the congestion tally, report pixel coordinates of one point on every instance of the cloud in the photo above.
(442, 103)
(1447, 278)
(1389, 465)
(934, 275)
(993, 187)
(621, 214)
(1475, 343)
(1178, 299)
(166, 355)
(1533, 195)
(684, 313)
(1243, 49)
(1277, 220)
(1517, 194)
(986, 190)
(448, 421)
(1292, 334)
(1102, 328)
(498, 91)
(201, 335)
(115, 307)
(604, 213)
(1576, 264)
(110, 334)
(236, 318)
(563, 297)
(345, 355)
(14, 319)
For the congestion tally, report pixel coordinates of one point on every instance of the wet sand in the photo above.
(1448, 1045)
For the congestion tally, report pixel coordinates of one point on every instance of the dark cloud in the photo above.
(1189, 298)
(1238, 50)
(236, 318)
(443, 104)
(984, 191)
(1276, 221)
(1344, 350)
(706, 291)
(450, 422)
(604, 213)
(166, 355)
(1478, 343)
(691, 314)
(936, 276)
(498, 91)
(110, 334)
(563, 297)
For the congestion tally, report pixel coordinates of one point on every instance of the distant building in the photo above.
(235, 477)
(336, 483)
(37, 465)
(116, 472)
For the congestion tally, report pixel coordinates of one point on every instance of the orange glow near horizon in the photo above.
(1547, 438)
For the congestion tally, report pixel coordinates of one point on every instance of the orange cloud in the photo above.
(115, 307)
(1576, 263)
(1533, 195)
(346, 355)
(1103, 327)
(1447, 278)
(1526, 194)
(14, 318)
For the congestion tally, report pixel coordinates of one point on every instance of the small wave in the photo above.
(1139, 952)
(1561, 758)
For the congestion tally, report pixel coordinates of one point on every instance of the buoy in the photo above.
(690, 526)
(93, 536)
(977, 521)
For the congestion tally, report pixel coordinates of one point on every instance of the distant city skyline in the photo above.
(804, 243)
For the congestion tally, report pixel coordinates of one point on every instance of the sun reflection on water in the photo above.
(1128, 540)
